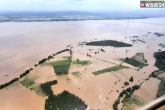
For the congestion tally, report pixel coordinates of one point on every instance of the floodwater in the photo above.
(23, 44)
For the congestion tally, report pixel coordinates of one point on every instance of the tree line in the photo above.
(28, 70)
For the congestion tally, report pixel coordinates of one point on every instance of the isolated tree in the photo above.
(131, 79)
(126, 83)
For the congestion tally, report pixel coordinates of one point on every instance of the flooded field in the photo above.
(23, 44)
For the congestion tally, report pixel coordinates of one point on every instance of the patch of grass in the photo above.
(67, 57)
(126, 107)
(61, 67)
(114, 68)
(132, 61)
(77, 74)
(38, 90)
(27, 82)
(135, 100)
(83, 63)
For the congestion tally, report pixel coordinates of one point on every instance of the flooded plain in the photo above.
(23, 44)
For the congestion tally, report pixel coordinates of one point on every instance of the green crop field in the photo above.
(61, 67)
(114, 68)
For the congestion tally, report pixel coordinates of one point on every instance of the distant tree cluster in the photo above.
(46, 87)
(109, 43)
(126, 94)
(64, 101)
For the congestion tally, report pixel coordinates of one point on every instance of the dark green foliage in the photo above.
(109, 43)
(135, 63)
(131, 79)
(79, 62)
(64, 101)
(27, 82)
(126, 83)
(25, 73)
(160, 60)
(46, 87)
(127, 94)
(28, 71)
(161, 90)
(114, 68)
(61, 67)
(8, 83)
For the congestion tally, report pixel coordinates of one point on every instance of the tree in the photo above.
(126, 83)
(126, 59)
(131, 79)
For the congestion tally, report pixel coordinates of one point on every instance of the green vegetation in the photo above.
(77, 74)
(135, 63)
(135, 100)
(27, 82)
(83, 63)
(61, 67)
(67, 57)
(161, 90)
(137, 60)
(64, 101)
(109, 43)
(141, 40)
(126, 94)
(126, 107)
(38, 90)
(46, 87)
(131, 79)
(114, 68)
(126, 83)
(160, 60)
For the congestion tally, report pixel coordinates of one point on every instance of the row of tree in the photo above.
(15, 79)
(126, 94)
(51, 56)
(28, 70)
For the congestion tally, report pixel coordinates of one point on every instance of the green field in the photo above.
(27, 82)
(61, 67)
(135, 100)
(114, 68)
(126, 107)
(38, 90)
(132, 61)
(81, 63)
(77, 74)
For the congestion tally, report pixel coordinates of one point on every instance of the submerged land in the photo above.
(97, 66)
